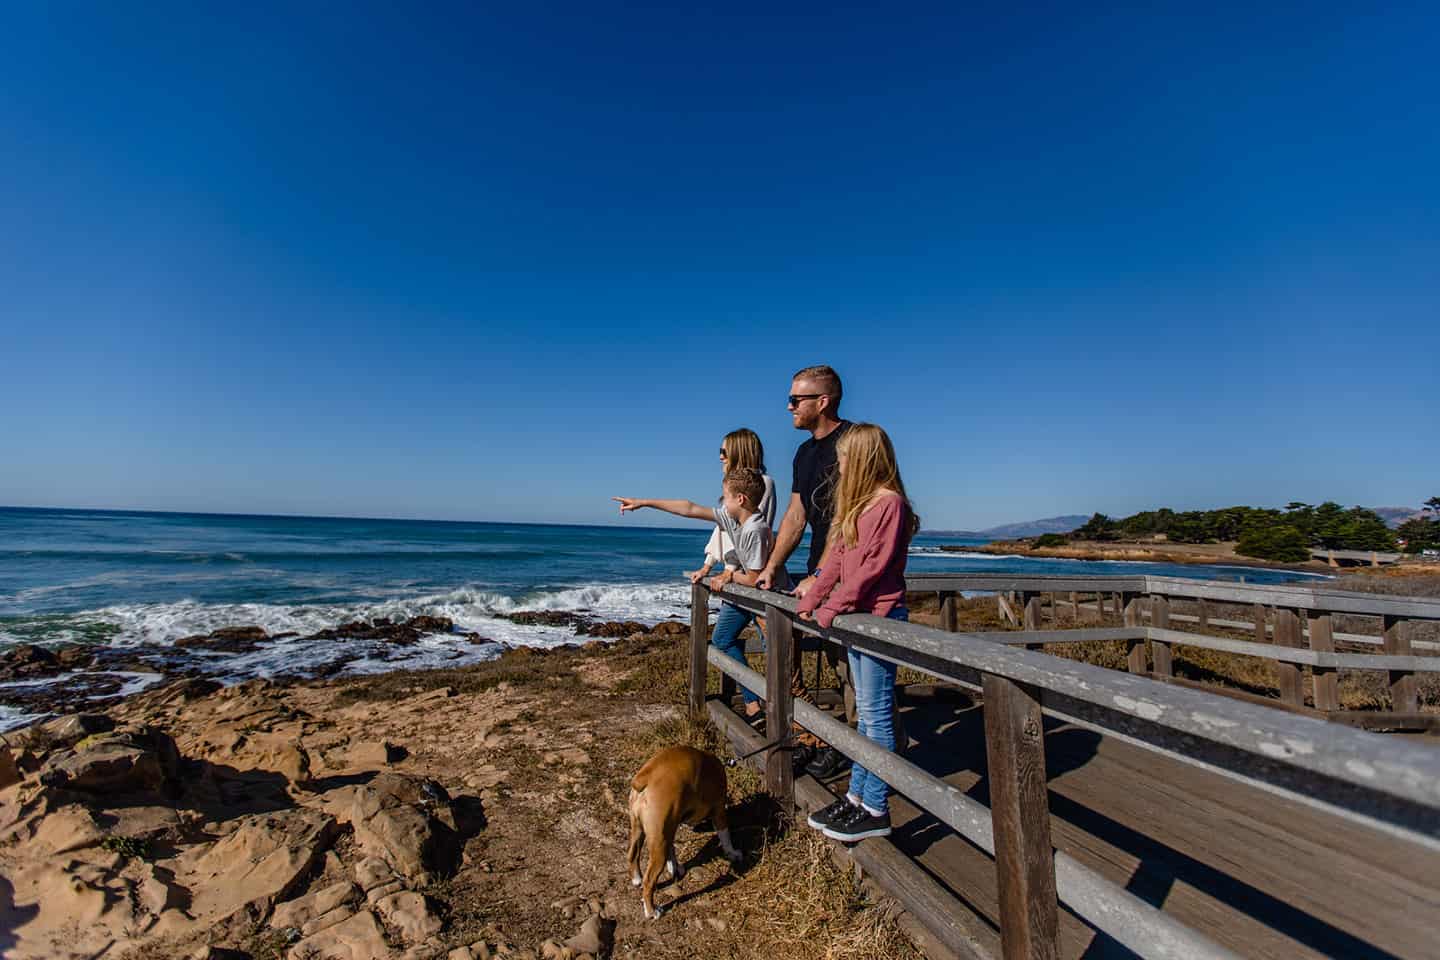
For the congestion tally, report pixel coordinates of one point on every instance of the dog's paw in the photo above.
(636, 880)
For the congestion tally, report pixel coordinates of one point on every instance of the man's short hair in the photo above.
(824, 377)
(748, 482)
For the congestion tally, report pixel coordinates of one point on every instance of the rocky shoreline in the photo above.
(461, 813)
(1204, 554)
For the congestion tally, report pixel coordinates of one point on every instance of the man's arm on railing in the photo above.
(792, 528)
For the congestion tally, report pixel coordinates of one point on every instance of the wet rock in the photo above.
(408, 632)
(227, 639)
(671, 628)
(613, 629)
(27, 662)
(547, 618)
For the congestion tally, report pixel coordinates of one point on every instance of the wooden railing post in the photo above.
(1160, 617)
(779, 706)
(1404, 695)
(1032, 603)
(949, 615)
(699, 644)
(1204, 609)
(1020, 816)
(1137, 660)
(1260, 636)
(1287, 634)
(1322, 638)
(1055, 609)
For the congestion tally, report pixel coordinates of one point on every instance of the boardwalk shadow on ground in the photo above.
(948, 735)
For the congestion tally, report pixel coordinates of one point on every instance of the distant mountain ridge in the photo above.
(1393, 517)
(1012, 531)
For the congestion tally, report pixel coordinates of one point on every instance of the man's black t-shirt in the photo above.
(816, 480)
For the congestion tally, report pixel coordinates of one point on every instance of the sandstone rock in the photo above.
(550, 950)
(9, 769)
(384, 890)
(371, 872)
(67, 731)
(123, 762)
(326, 920)
(407, 821)
(411, 914)
(373, 753)
(263, 859)
(298, 912)
(460, 953)
(357, 938)
(28, 661)
(594, 936)
(613, 629)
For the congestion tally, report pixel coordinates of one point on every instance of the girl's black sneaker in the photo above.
(826, 816)
(858, 824)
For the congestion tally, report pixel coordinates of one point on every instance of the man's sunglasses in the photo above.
(795, 399)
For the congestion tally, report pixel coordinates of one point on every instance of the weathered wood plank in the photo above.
(1404, 693)
(1020, 815)
(1160, 650)
(1032, 603)
(1137, 659)
(779, 705)
(1287, 634)
(1325, 679)
(699, 641)
(949, 614)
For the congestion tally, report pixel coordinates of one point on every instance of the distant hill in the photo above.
(1012, 531)
(1394, 516)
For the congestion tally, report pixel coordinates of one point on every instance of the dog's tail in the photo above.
(642, 779)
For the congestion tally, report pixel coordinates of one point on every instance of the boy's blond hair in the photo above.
(748, 482)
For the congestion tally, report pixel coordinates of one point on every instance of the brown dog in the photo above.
(677, 785)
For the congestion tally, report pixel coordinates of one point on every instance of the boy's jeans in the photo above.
(875, 703)
(726, 638)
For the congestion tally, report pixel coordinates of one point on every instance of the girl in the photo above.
(864, 572)
(739, 449)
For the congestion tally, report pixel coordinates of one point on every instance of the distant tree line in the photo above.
(1285, 535)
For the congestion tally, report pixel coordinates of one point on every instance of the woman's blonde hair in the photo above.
(869, 468)
(743, 449)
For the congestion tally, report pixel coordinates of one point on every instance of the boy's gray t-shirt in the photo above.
(753, 540)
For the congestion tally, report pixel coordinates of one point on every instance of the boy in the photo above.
(752, 540)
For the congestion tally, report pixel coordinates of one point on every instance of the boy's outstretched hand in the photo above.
(628, 503)
(697, 575)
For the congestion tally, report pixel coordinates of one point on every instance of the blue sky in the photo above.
(466, 264)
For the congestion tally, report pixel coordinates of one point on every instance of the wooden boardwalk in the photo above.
(1162, 820)
(1260, 874)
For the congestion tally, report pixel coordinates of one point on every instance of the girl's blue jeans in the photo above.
(726, 638)
(874, 681)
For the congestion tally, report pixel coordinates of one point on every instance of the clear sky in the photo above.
(442, 261)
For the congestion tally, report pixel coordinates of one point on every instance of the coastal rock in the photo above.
(613, 629)
(9, 769)
(408, 821)
(296, 913)
(671, 628)
(411, 914)
(358, 937)
(408, 632)
(373, 753)
(28, 661)
(546, 618)
(123, 762)
(263, 860)
(594, 937)
(227, 639)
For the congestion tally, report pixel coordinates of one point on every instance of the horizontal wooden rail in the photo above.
(1390, 783)
(1110, 908)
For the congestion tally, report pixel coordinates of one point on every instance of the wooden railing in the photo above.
(1389, 784)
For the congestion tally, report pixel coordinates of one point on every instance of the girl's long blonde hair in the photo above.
(869, 468)
(743, 450)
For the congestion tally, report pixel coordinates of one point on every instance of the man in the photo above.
(814, 405)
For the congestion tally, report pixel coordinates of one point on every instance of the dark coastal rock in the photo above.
(613, 629)
(547, 618)
(407, 632)
(28, 662)
(671, 628)
(227, 639)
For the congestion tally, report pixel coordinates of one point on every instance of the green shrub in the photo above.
(1051, 540)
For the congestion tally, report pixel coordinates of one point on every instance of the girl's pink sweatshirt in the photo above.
(868, 577)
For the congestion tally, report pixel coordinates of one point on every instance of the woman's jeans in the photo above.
(726, 638)
(874, 681)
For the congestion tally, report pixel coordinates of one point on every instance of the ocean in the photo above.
(142, 580)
